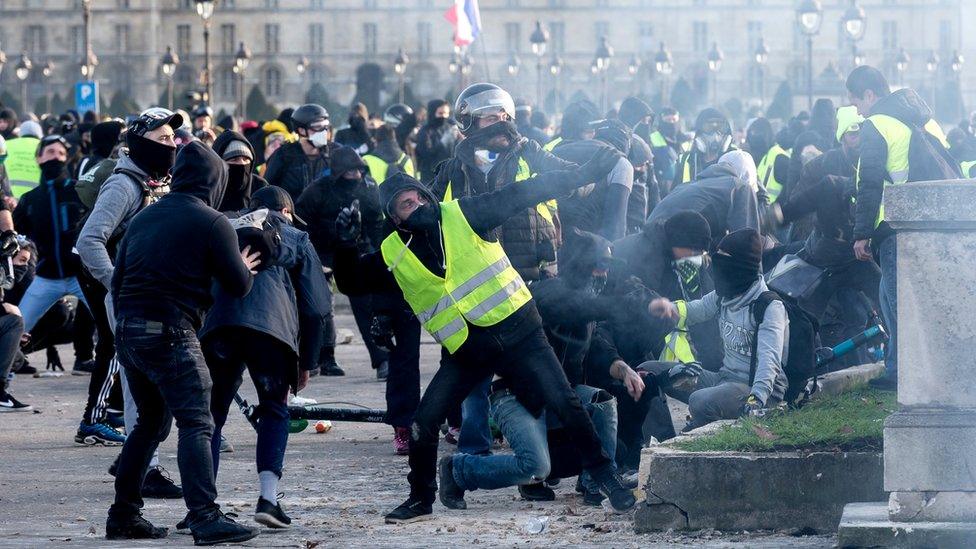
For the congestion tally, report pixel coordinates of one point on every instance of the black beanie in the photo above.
(688, 229)
(744, 246)
(105, 136)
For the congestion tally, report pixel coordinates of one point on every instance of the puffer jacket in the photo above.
(529, 239)
(291, 169)
(739, 330)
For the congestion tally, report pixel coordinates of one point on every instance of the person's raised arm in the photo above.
(231, 267)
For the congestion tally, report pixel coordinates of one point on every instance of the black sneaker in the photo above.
(222, 529)
(592, 499)
(536, 492)
(620, 499)
(114, 467)
(83, 368)
(22, 366)
(412, 510)
(134, 527)
(884, 383)
(158, 485)
(11, 404)
(270, 514)
(313, 373)
(452, 495)
(383, 371)
(330, 368)
(183, 526)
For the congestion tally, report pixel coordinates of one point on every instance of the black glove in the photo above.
(381, 330)
(600, 165)
(349, 224)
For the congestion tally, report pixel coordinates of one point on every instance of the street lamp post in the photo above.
(168, 65)
(663, 65)
(809, 16)
(633, 69)
(22, 70)
(89, 62)
(858, 57)
(467, 64)
(302, 68)
(241, 59)
(715, 57)
(205, 9)
(3, 60)
(46, 70)
(901, 65)
(513, 65)
(400, 68)
(855, 22)
(761, 56)
(604, 53)
(932, 66)
(555, 67)
(539, 38)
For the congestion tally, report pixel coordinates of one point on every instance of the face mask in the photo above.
(357, 123)
(20, 271)
(668, 129)
(422, 219)
(320, 139)
(596, 285)
(695, 261)
(155, 158)
(712, 143)
(52, 169)
(238, 176)
(485, 159)
(732, 278)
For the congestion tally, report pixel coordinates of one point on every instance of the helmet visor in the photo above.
(486, 103)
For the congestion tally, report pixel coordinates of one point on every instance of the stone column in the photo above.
(930, 442)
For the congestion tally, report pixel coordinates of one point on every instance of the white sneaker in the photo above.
(295, 400)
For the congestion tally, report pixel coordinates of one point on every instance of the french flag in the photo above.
(466, 18)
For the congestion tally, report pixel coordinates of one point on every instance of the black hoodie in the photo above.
(174, 249)
(238, 194)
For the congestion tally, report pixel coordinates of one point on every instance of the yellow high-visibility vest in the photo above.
(21, 163)
(967, 166)
(767, 173)
(658, 141)
(677, 345)
(378, 168)
(524, 172)
(548, 147)
(479, 286)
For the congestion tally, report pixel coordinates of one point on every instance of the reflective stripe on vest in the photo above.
(686, 170)
(548, 147)
(480, 286)
(524, 172)
(22, 169)
(767, 172)
(677, 346)
(967, 166)
(658, 141)
(897, 137)
(377, 167)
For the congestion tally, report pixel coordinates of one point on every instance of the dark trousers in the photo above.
(11, 328)
(168, 378)
(528, 364)
(272, 365)
(103, 390)
(362, 311)
(403, 383)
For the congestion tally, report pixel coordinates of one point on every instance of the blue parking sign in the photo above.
(86, 96)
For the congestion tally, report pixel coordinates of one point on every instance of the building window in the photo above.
(228, 4)
(512, 3)
(645, 37)
(318, 4)
(513, 36)
(316, 38)
(183, 42)
(122, 38)
(754, 32)
(271, 4)
(35, 40)
(271, 42)
(188, 5)
(369, 4)
(945, 35)
(227, 82)
(369, 39)
(602, 28)
(272, 82)
(557, 3)
(557, 37)
(424, 39)
(123, 4)
(227, 39)
(77, 41)
(699, 34)
(889, 36)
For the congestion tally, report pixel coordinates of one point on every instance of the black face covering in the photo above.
(238, 176)
(152, 156)
(439, 121)
(20, 271)
(422, 219)
(668, 129)
(357, 123)
(53, 169)
(480, 138)
(732, 277)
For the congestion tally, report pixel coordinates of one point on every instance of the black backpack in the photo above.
(801, 365)
(928, 159)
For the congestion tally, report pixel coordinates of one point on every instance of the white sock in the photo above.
(269, 485)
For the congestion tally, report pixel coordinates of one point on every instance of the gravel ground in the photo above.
(337, 485)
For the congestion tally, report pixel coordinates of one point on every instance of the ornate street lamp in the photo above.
(555, 68)
(90, 61)
(858, 57)
(761, 57)
(23, 70)
(901, 65)
(604, 53)
(205, 9)
(809, 15)
(241, 60)
(539, 39)
(663, 64)
(513, 65)
(400, 63)
(46, 70)
(956, 62)
(715, 57)
(302, 66)
(855, 22)
(168, 64)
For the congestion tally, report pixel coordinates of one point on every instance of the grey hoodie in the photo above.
(738, 330)
(119, 200)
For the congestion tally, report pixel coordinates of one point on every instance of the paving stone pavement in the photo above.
(337, 486)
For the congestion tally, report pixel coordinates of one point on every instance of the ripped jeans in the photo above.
(528, 438)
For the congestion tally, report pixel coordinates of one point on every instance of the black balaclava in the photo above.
(53, 170)
(105, 136)
(737, 263)
(479, 139)
(155, 158)
(759, 138)
(615, 133)
(432, 107)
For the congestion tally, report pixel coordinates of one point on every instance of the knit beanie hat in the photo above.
(688, 229)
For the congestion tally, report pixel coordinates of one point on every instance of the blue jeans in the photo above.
(44, 292)
(475, 437)
(602, 408)
(888, 259)
(526, 435)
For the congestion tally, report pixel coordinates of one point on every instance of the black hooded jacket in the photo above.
(435, 142)
(238, 194)
(174, 249)
(52, 215)
(293, 170)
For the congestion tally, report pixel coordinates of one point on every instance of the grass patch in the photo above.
(852, 421)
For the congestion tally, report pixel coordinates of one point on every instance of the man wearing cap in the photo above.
(140, 177)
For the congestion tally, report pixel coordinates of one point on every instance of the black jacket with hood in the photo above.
(238, 194)
(435, 141)
(174, 250)
(320, 204)
(906, 106)
(52, 215)
(293, 170)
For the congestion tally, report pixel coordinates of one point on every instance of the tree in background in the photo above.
(319, 95)
(685, 99)
(369, 83)
(782, 105)
(258, 107)
(122, 105)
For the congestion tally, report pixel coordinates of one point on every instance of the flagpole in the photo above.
(484, 56)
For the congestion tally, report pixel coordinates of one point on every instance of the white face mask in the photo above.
(320, 139)
(485, 159)
(692, 261)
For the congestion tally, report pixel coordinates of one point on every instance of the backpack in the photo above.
(801, 365)
(928, 159)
